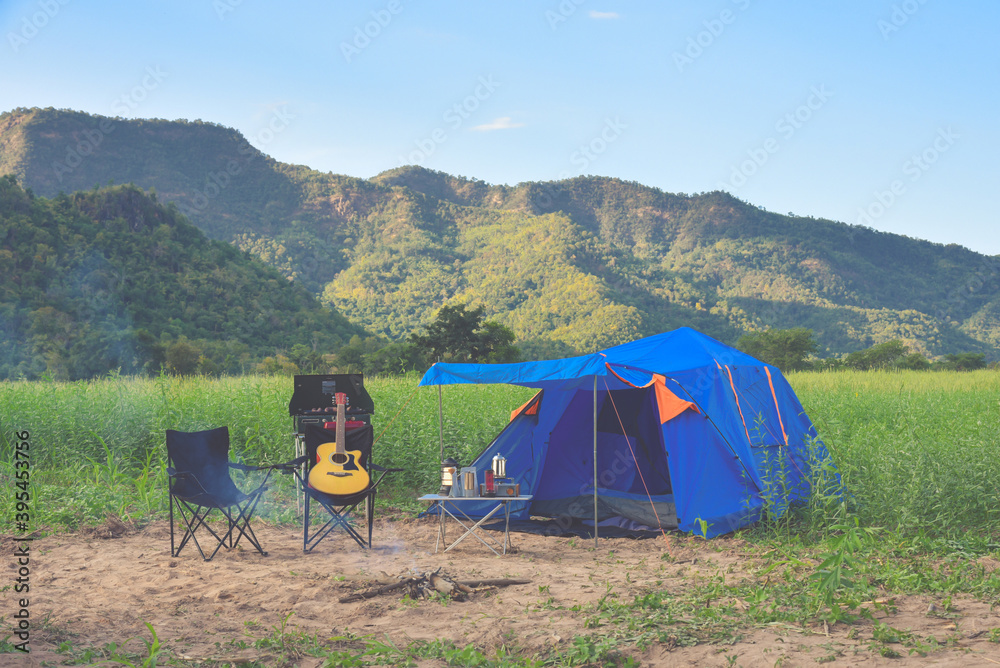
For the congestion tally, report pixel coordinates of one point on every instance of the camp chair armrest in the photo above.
(289, 466)
(174, 473)
(248, 467)
(185, 475)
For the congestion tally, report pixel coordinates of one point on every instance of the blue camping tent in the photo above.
(674, 430)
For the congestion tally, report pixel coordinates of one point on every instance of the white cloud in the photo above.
(603, 15)
(502, 123)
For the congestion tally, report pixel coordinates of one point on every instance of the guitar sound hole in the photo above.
(339, 458)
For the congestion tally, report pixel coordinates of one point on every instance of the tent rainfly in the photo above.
(675, 430)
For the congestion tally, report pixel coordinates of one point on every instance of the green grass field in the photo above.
(97, 447)
(918, 452)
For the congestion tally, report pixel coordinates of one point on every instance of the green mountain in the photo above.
(111, 279)
(571, 265)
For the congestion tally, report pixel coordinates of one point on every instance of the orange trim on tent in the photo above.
(776, 409)
(732, 384)
(527, 407)
(608, 366)
(669, 404)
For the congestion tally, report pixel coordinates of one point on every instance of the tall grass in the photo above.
(98, 446)
(917, 452)
(408, 430)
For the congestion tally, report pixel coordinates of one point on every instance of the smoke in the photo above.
(97, 333)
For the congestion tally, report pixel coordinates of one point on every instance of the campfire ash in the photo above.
(434, 582)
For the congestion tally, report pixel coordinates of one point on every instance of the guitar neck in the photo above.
(341, 423)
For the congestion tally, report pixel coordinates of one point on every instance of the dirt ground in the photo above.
(101, 585)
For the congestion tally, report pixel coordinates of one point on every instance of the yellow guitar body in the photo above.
(338, 472)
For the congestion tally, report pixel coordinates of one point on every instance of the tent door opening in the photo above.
(632, 473)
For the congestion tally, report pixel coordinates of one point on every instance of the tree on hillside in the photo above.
(879, 356)
(963, 362)
(459, 335)
(395, 358)
(786, 349)
(306, 359)
(914, 362)
(182, 357)
(545, 349)
(376, 355)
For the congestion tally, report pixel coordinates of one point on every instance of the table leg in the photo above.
(506, 527)
(472, 530)
(441, 538)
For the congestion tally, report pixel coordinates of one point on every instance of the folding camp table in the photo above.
(502, 503)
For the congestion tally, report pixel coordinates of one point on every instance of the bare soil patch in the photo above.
(99, 586)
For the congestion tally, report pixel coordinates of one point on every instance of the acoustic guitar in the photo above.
(337, 470)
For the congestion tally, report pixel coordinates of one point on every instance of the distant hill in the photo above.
(570, 265)
(111, 279)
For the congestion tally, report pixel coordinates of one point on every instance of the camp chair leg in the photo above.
(242, 523)
(309, 542)
(370, 514)
(337, 519)
(170, 503)
(323, 532)
(198, 518)
(305, 523)
(182, 516)
(358, 538)
(196, 521)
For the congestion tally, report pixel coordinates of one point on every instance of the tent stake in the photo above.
(595, 461)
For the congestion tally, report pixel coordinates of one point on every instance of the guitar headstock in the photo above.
(341, 398)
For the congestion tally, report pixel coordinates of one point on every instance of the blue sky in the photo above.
(881, 113)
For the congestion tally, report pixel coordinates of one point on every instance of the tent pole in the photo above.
(595, 460)
(441, 423)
